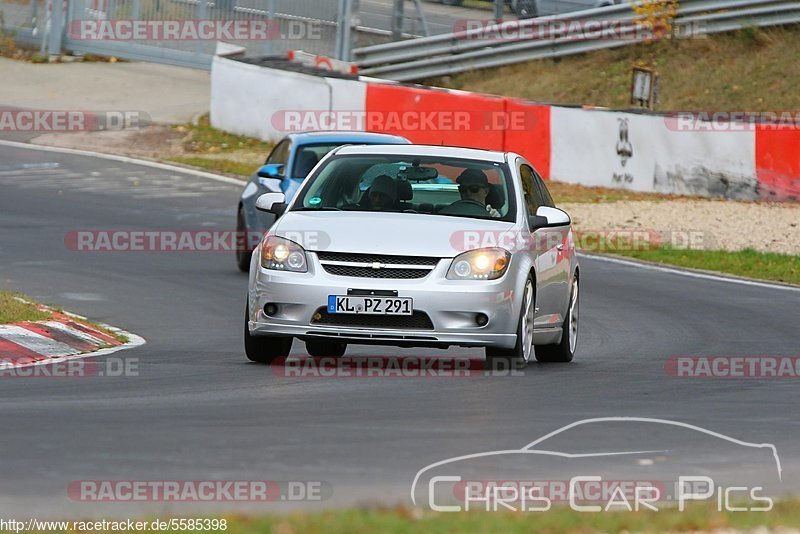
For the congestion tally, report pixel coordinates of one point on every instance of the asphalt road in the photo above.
(198, 410)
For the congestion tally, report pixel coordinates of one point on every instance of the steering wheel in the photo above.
(464, 207)
(468, 201)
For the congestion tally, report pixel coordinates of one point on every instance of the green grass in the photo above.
(203, 138)
(558, 520)
(753, 69)
(14, 311)
(574, 193)
(223, 166)
(217, 151)
(747, 263)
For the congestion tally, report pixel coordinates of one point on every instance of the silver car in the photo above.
(416, 246)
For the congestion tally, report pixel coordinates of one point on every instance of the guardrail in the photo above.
(456, 52)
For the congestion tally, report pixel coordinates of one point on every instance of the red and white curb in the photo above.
(62, 337)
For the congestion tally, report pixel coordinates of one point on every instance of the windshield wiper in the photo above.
(327, 208)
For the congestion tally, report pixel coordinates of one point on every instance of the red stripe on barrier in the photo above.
(533, 141)
(436, 116)
(778, 162)
(15, 354)
(60, 336)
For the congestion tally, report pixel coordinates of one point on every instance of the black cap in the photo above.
(473, 177)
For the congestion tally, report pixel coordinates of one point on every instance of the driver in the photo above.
(473, 184)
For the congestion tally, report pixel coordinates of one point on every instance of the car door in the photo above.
(544, 254)
(562, 238)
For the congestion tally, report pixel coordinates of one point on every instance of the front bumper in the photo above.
(450, 305)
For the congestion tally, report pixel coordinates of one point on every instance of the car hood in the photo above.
(408, 234)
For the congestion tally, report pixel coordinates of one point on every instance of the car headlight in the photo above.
(481, 264)
(280, 254)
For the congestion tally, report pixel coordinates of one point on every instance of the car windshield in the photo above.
(411, 184)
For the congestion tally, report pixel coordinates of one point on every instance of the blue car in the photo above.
(283, 171)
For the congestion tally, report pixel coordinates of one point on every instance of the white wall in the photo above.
(588, 147)
(246, 99)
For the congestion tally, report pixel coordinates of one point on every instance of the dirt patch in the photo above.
(189, 145)
(151, 141)
(713, 225)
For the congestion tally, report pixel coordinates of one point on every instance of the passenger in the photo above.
(382, 194)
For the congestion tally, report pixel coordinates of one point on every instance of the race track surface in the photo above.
(199, 410)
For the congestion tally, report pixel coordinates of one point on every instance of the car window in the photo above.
(530, 191)
(280, 154)
(427, 185)
(307, 157)
(547, 198)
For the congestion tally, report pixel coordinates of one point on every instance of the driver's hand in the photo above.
(493, 212)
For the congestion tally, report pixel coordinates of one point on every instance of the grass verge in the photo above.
(564, 193)
(13, 310)
(747, 263)
(16, 308)
(699, 518)
(211, 149)
(752, 69)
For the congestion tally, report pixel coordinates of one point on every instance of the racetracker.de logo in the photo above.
(51, 120)
(197, 490)
(181, 240)
(548, 29)
(392, 367)
(175, 30)
(733, 366)
(732, 121)
(409, 121)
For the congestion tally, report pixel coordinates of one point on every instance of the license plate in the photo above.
(370, 305)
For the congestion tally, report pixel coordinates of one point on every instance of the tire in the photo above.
(242, 256)
(525, 9)
(264, 349)
(564, 352)
(522, 353)
(322, 348)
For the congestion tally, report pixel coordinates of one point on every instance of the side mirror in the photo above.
(547, 217)
(273, 170)
(272, 203)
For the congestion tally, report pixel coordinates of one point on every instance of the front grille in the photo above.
(369, 272)
(377, 258)
(361, 265)
(418, 320)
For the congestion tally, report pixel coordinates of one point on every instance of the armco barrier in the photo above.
(595, 147)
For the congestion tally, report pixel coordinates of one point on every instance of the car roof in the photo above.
(347, 137)
(426, 150)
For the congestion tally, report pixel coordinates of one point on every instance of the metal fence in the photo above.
(456, 52)
(338, 25)
(310, 25)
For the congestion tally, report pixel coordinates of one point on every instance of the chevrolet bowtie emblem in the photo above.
(377, 265)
